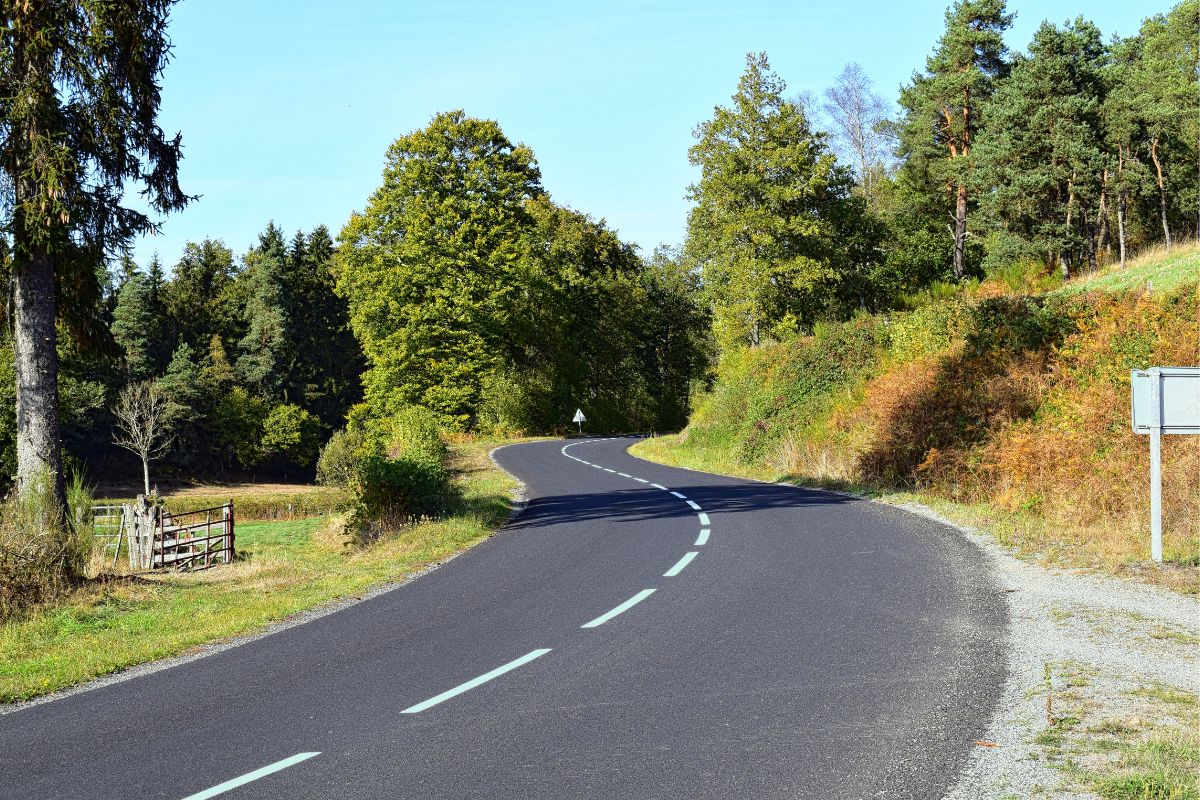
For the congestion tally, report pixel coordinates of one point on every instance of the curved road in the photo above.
(814, 646)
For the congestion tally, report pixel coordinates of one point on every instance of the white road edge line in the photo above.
(702, 538)
(695, 506)
(679, 565)
(660, 486)
(641, 480)
(606, 469)
(251, 776)
(471, 684)
(624, 475)
(621, 609)
(680, 496)
(703, 518)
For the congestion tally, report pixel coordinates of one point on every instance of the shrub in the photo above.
(392, 492)
(290, 433)
(339, 459)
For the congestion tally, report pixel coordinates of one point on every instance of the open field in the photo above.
(283, 567)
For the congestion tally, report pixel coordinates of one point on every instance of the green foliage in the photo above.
(1041, 151)
(238, 423)
(263, 347)
(338, 462)
(430, 269)
(290, 434)
(773, 224)
(138, 326)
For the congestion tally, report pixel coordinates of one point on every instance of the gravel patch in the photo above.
(1104, 639)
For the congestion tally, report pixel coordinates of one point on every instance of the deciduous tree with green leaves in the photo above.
(431, 268)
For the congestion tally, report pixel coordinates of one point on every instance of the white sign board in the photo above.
(579, 417)
(1178, 399)
(1164, 400)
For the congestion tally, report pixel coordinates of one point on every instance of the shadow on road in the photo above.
(645, 504)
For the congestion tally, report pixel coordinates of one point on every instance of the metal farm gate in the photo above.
(183, 541)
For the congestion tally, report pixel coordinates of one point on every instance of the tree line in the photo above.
(463, 289)
(1061, 158)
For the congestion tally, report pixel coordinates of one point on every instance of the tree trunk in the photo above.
(960, 232)
(1089, 237)
(1064, 256)
(36, 364)
(1162, 191)
(1121, 224)
(1121, 203)
(146, 474)
(1102, 211)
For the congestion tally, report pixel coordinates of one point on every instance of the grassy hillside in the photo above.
(1006, 410)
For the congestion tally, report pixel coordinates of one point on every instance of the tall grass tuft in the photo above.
(41, 556)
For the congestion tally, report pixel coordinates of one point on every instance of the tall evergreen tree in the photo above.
(1041, 155)
(264, 347)
(769, 204)
(79, 100)
(943, 106)
(430, 269)
(138, 326)
(201, 297)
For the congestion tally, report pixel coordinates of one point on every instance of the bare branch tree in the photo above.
(858, 116)
(142, 424)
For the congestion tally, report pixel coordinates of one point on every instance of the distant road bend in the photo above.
(638, 631)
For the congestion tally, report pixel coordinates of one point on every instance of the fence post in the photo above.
(229, 532)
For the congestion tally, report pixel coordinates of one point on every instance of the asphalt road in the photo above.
(814, 646)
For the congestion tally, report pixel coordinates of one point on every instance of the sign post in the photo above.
(579, 418)
(1164, 400)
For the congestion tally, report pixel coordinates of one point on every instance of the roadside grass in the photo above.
(1143, 746)
(283, 567)
(1153, 269)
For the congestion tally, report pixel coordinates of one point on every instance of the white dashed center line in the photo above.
(680, 496)
(679, 565)
(250, 776)
(703, 518)
(628, 604)
(695, 506)
(471, 684)
(703, 537)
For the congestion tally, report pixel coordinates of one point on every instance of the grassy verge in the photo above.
(283, 567)
(1025, 533)
(1143, 744)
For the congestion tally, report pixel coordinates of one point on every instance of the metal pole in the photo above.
(1156, 466)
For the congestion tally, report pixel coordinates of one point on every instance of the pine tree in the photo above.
(943, 107)
(1041, 154)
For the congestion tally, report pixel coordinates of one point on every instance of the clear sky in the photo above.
(287, 106)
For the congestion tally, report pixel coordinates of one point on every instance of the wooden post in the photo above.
(229, 532)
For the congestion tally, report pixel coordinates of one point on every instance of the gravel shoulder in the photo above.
(1100, 673)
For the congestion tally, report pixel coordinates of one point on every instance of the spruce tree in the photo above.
(79, 82)
(263, 349)
(943, 107)
(137, 327)
(769, 205)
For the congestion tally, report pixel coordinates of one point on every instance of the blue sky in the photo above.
(287, 106)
